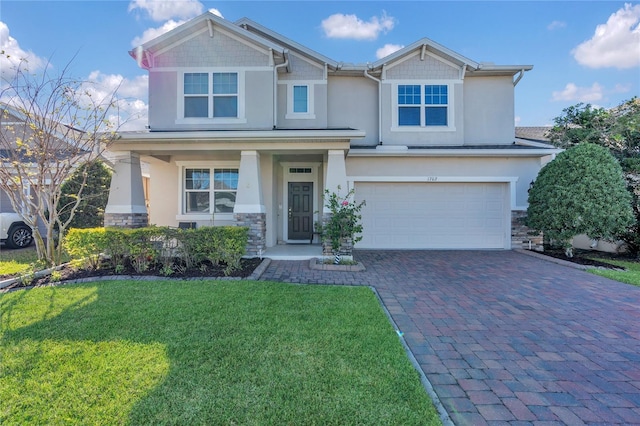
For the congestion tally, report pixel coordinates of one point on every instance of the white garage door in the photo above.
(435, 215)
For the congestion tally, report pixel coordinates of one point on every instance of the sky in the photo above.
(581, 51)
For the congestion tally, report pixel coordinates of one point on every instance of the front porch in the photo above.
(293, 252)
(274, 187)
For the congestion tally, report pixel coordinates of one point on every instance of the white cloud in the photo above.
(162, 10)
(387, 50)
(575, 93)
(614, 44)
(13, 55)
(131, 94)
(216, 12)
(556, 25)
(350, 26)
(517, 120)
(152, 33)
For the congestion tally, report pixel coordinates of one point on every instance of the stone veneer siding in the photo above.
(126, 220)
(521, 235)
(257, 224)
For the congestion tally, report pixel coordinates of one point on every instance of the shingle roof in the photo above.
(534, 133)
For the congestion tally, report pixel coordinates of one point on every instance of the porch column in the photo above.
(249, 209)
(336, 175)
(126, 207)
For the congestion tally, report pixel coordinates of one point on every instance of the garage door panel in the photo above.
(434, 215)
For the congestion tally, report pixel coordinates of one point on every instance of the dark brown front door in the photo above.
(300, 210)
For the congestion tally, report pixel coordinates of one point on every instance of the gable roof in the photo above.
(263, 31)
(425, 44)
(268, 39)
(143, 54)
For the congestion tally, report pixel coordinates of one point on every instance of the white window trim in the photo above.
(240, 119)
(450, 127)
(182, 166)
(310, 114)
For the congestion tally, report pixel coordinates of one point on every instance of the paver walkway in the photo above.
(505, 338)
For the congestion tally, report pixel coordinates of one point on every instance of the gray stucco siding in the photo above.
(258, 100)
(489, 112)
(163, 92)
(353, 103)
(317, 92)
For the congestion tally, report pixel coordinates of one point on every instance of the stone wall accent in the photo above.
(257, 224)
(522, 237)
(346, 249)
(126, 220)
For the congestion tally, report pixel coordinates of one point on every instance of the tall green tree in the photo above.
(618, 130)
(89, 213)
(582, 191)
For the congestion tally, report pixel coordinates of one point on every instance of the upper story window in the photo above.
(206, 97)
(300, 99)
(423, 105)
(220, 101)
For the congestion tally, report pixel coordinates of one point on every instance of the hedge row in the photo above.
(169, 248)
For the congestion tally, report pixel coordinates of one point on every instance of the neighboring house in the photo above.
(61, 148)
(534, 134)
(14, 126)
(249, 127)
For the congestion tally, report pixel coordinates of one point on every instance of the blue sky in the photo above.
(582, 51)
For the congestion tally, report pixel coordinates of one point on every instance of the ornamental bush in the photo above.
(582, 191)
(152, 246)
(344, 223)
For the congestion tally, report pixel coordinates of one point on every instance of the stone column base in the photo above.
(257, 224)
(126, 220)
(522, 237)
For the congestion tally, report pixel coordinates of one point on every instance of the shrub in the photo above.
(344, 222)
(154, 246)
(86, 244)
(582, 191)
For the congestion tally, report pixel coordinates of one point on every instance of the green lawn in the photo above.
(14, 262)
(630, 276)
(204, 352)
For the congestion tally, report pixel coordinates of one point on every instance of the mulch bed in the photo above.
(584, 257)
(204, 270)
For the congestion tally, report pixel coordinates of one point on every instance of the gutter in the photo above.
(453, 153)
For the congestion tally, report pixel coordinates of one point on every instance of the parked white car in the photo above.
(14, 233)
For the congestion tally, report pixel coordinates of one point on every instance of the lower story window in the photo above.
(208, 190)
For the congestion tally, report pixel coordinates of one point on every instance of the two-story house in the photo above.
(249, 127)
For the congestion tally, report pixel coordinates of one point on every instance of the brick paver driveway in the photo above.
(504, 337)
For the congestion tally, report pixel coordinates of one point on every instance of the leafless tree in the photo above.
(50, 123)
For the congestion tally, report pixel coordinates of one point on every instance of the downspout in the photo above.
(379, 81)
(275, 87)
